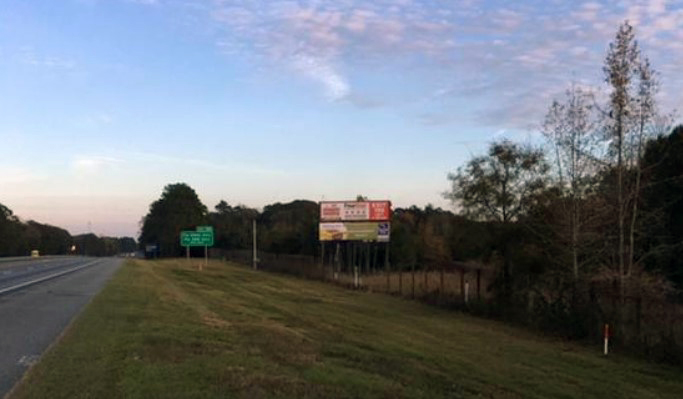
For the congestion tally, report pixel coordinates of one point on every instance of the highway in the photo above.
(38, 299)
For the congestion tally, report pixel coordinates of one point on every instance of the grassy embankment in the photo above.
(162, 329)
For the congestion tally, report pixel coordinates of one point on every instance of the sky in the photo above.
(104, 102)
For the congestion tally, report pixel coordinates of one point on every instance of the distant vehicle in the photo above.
(35, 253)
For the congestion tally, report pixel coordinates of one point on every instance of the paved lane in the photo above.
(33, 317)
(28, 269)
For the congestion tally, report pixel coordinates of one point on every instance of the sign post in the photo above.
(203, 237)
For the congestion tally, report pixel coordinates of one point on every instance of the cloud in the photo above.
(488, 50)
(145, 2)
(320, 70)
(319, 40)
(88, 164)
(28, 56)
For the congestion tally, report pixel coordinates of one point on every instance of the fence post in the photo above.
(322, 260)
(426, 285)
(467, 292)
(462, 283)
(374, 259)
(400, 282)
(337, 263)
(441, 292)
(478, 284)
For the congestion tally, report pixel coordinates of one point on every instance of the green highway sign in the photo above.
(196, 238)
(205, 228)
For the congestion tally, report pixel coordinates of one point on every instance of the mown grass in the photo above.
(161, 329)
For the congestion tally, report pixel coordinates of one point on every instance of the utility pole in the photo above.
(254, 256)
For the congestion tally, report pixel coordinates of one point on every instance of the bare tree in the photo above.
(621, 69)
(569, 127)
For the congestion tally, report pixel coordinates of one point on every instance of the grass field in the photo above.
(161, 329)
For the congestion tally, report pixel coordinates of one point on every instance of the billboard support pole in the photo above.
(374, 259)
(368, 249)
(386, 267)
(335, 266)
(353, 254)
(348, 260)
(206, 256)
(322, 259)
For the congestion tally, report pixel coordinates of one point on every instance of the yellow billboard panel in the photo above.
(355, 231)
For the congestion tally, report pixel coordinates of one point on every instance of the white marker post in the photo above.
(606, 348)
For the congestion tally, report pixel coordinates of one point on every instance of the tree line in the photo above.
(19, 238)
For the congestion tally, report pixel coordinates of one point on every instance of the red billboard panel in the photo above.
(380, 210)
(333, 211)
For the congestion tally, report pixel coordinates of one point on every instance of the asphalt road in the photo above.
(33, 316)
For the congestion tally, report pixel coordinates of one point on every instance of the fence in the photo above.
(447, 283)
(642, 324)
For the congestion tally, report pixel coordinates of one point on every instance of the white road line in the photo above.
(28, 360)
(39, 280)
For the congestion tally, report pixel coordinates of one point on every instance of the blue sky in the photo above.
(103, 102)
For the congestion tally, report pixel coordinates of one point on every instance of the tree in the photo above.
(179, 208)
(49, 240)
(663, 198)
(290, 228)
(620, 69)
(127, 244)
(500, 187)
(233, 225)
(569, 127)
(631, 118)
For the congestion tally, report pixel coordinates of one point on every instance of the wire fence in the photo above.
(642, 324)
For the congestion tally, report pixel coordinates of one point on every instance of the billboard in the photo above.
(355, 231)
(343, 211)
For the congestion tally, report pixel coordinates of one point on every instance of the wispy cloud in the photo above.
(92, 164)
(29, 56)
(322, 71)
(513, 57)
(145, 2)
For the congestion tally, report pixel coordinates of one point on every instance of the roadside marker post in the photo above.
(606, 347)
(467, 292)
